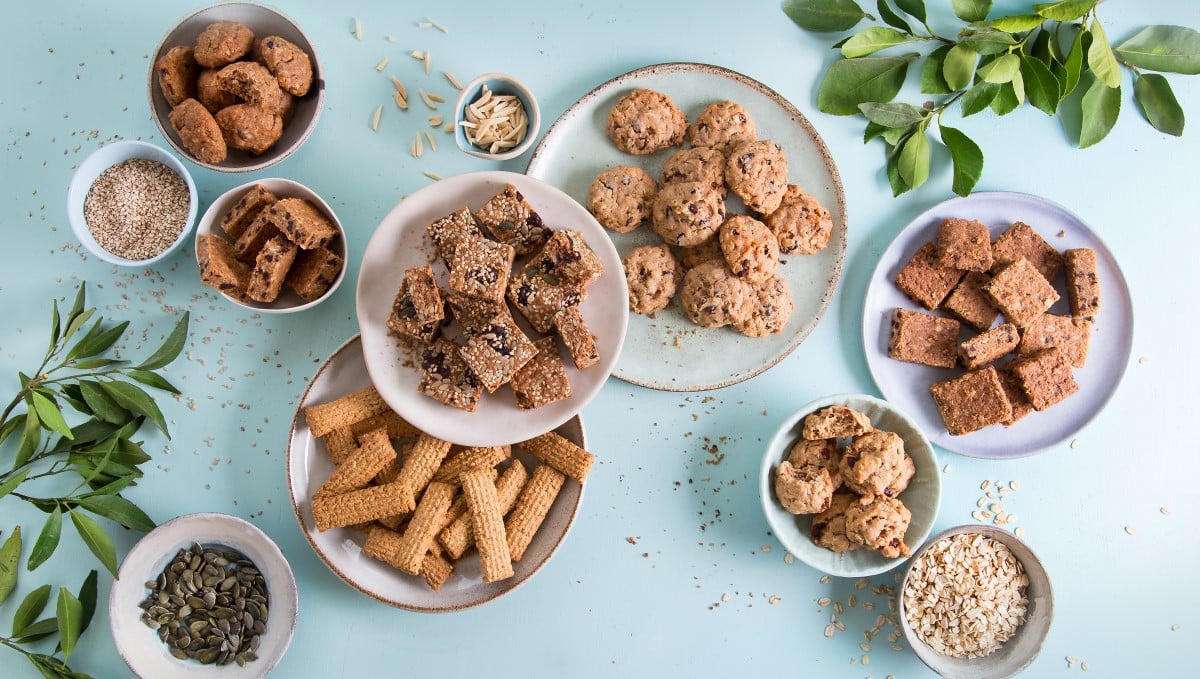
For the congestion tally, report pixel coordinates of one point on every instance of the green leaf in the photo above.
(13, 481)
(87, 597)
(1157, 102)
(978, 98)
(90, 470)
(989, 41)
(1000, 70)
(70, 615)
(1039, 48)
(932, 80)
(95, 343)
(890, 17)
(130, 453)
(50, 415)
(894, 114)
(1041, 86)
(1101, 106)
(1101, 59)
(893, 173)
(1074, 63)
(851, 82)
(93, 363)
(893, 135)
(96, 540)
(133, 398)
(74, 326)
(104, 406)
(151, 379)
(118, 509)
(14, 423)
(1171, 49)
(78, 304)
(112, 487)
(824, 15)
(1014, 24)
(38, 630)
(1067, 10)
(71, 394)
(47, 540)
(55, 325)
(10, 557)
(31, 607)
(31, 435)
(960, 66)
(171, 347)
(967, 157)
(1006, 100)
(915, 8)
(913, 164)
(872, 40)
(971, 10)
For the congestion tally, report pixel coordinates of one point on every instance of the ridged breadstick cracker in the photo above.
(361, 506)
(494, 560)
(340, 444)
(397, 427)
(458, 536)
(382, 543)
(418, 466)
(391, 470)
(471, 458)
(363, 464)
(436, 570)
(419, 535)
(561, 454)
(345, 411)
(531, 508)
(395, 523)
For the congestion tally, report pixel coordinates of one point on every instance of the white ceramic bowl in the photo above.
(263, 21)
(288, 301)
(922, 496)
(1018, 652)
(100, 160)
(140, 646)
(498, 83)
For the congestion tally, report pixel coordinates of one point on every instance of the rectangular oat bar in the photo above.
(986, 347)
(220, 268)
(923, 338)
(1083, 282)
(925, 279)
(1021, 241)
(302, 222)
(510, 219)
(543, 379)
(246, 209)
(1045, 377)
(1070, 335)
(964, 244)
(969, 303)
(314, 272)
(971, 401)
(417, 311)
(1020, 292)
(270, 269)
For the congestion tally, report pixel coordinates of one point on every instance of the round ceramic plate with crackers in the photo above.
(666, 350)
(343, 549)
(1108, 344)
(401, 241)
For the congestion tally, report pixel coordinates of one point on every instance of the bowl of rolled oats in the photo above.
(496, 117)
(975, 602)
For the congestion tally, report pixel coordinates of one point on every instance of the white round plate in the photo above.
(668, 351)
(341, 548)
(907, 384)
(401, 242)
(140, 646)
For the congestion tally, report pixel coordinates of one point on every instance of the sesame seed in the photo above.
(947, 469)
(788, 558)
(1074, 443)
(861, 583)
(136, 209)
(985, 484)
(1019, 531)
(824, 580)
(823, 601)
(1175, 628)
(1014, 485)
(829, 631)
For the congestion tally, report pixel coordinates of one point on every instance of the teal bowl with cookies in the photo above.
(850, 485)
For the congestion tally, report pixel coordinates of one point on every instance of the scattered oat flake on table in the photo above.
(382, 64)
(829, 630)
(1014, 485)
(947, 469)
(766, 548)
(1131, 530)
(1144, 360)
(824, 580)
(1175, 628)
(357, 29)
(1165, 511)
(824, 601)
(1074, 443)
(1019, 531)
(788, 558)
(773, 600)
(375, 118)
(986, 483)
(432, 175)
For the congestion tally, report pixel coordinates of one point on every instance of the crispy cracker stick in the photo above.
(340, 444)
(362, 465)
(418, 466)
(360, 506)
(345, 411)
(395, 522)
(561, 454)
(397, 427)
(458, 536)
(382, 543)
(419, 535)
(532, 507)
(436, 570)
(391, 470)
(488, 520)
(471, 458)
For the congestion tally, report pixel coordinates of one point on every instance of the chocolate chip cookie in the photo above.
(287, 62)
(652, 275)
(829, 527)
(757, 172)
(712, 296)
(621, 197)
(800, 223)
(722, 125)
(645, 121)
(803, 489)
(701, 164)
(687, 213)
(879, 523)
(177, 74)
(771, 309)
(749, 247)
(875, 464)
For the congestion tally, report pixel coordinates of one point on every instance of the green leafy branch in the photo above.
(1039, 58)
(98, 457)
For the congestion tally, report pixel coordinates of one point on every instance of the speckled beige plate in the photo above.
(668, 351)
(341, 548)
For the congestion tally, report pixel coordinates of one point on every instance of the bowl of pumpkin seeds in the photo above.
(203, 595)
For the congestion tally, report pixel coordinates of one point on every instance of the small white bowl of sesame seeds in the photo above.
(131, 203)
(496, 117)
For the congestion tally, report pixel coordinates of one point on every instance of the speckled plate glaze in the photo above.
(341, 548)
(907, 384)
(668, 351)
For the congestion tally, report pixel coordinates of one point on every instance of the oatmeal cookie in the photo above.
(249, 127)
(198, 131)
(253, 83)
(645, 121)
(749, 247)
(829, 527)
(621, 197)
(805, 489)
(687, 213)
(835, 422)
(701, 164)
(287, 62)
(722, 125)
(771, 310)
(821, 452)
(223, 42)
(879, 523)
(691, 257)
(800, 223)
(177, 74)
(713, 297)
(209, 91)
(652, 275)
(875, 464)
(757, 172)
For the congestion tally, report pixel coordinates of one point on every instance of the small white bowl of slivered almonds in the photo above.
(496, 117)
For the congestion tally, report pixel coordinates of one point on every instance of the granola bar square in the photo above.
(473, 315)
(446, 377)
(923, 338)
(576, 337)
(539, 299)
(964, 244)
(1083, 282)
(313, 272)
(220, 268)
(1016, 397)
(510, 219)
(971, 401)
(446, 231)
(1020, 240)
(497, 351)
(1070, 335)
(568, 257)
(986, 347)
(270, 269)
(925, 279)
(542, 380)
(1020, 292)
(417, 311)
(255, 236)
(1045, 377)
(246, 209)
(480, 268)
(302, 223)
(970, 304)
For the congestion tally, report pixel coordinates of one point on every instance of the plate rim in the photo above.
(685, 67)
(941, 437)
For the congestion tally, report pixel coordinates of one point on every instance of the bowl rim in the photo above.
(266, 159)
(471, 89)
(91, 168)
(785, 433)
(938, 662)
(223, 202)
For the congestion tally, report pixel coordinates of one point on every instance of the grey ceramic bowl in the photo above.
(498, 83)
(1019, 651)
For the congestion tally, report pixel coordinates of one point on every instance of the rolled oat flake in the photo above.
(137, 208)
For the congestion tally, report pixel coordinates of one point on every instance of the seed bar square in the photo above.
(1070, 335)
(480, 268)
(922, 338)
(986, 347)
(314, 272)
(971, 401)
(446, 377)
(576, 337)
(417, 311)
(539, 298)
(497, 352)
(1083, 282)
(270, 269)
(220, 267)
(255, 236)
(509, 218)
(925, 279)
(474, 315)
(1020, 292)
(1045, 377)
(246, 209)
(302, 223)
(446, 231)
(1020, 240)
(567, 256)
(542, 380)
(970, 304)
(964, 244)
